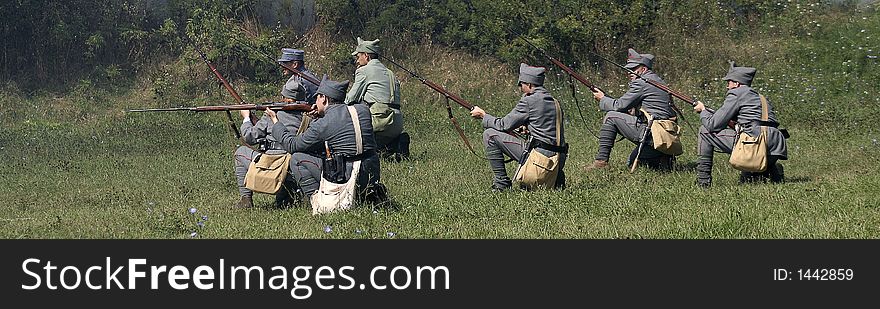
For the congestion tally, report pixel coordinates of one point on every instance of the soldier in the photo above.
(742, 105)
(378, 88)
(625, 115)
(334, 127)
(537, 111)
(260, 135)
(295, 59)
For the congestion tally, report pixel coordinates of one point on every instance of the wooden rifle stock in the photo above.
(226, 84)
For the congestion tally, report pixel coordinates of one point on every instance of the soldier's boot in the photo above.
(776, 173)
(496, 187)
(376, 193)
(283, 198)
(597, 165)
(666, 163)
(704, 172)
(245, 202)
(749, 177)
(403, 146)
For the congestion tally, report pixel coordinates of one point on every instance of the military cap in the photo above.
(333, 89)
(370, 47)
(742, 75)
(293, 89)
(634, 59)
(290, 54)
(531, 75)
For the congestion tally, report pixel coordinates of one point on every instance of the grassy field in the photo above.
(76, 166)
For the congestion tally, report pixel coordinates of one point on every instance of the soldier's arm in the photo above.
(308, 141)
(357, 88)
(717, 121)
(253, 134)
(516, 118)
(626, 101)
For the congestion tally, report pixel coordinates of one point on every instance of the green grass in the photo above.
(75, 166)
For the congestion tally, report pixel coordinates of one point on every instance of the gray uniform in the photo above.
(337, 130)
(640, 95)
(537, 110)
(307, 86)
(260, 135)
(742, 104)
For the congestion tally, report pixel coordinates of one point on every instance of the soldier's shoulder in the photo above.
(739, 91)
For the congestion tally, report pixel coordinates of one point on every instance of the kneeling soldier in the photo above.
(540, 113)
(628, 115)
(376, 86)
(743, 104)
(335, 128)
(260, 135)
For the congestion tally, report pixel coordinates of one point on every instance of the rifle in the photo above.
(282, 65)
(666, 89)
(449, 96)
(641, 145)
(225, 84)
(571, 74)
(277, 106)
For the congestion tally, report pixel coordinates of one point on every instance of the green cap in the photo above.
(370, 47)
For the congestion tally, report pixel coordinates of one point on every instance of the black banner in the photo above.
(416, 273)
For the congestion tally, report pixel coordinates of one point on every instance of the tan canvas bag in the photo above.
(750, 153)
(340, 196)
(540, 171)
(666, 135)
(267, 172)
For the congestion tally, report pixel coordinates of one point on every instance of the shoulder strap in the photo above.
(357, 129)
(764, 112)
(558, 123)
(392, 85)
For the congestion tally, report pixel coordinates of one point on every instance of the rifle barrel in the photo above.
(283, 66)
(225, 108)
(562, 66)
(434, 86)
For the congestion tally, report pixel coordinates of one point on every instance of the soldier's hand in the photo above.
(524, 130)
(478, 112)
(246, 114)
(272, 115)
(314, 112)
(699, 107)
(597, 94)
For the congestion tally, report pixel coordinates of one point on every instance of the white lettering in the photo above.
(24, 267)
(178, 273)
(133, 273)
(203, 273)
(298, 279)
(373, 278)
(64, 282)
(89, 277)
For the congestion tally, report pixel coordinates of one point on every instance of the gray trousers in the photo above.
(630, 128)
(707, 144)
(243, 157)
(306, 171)
(498, 144)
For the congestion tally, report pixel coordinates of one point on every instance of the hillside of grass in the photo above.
(78, 166)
